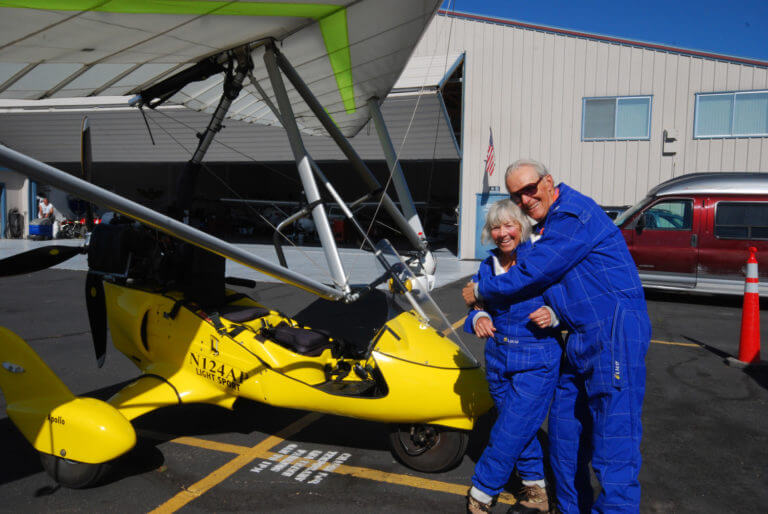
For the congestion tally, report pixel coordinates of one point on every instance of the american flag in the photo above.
(490, 158)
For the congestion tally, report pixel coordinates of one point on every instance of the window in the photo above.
(741, 220)
(623, 117)
(741, 114)
(670, 215)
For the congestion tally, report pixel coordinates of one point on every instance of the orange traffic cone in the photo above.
(749, 343)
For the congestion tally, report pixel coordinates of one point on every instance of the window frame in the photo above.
(615, 117)
(733, 114)
(749, 227)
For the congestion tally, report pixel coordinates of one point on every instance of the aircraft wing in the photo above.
(346, 51)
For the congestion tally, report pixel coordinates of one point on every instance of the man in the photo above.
(583, 268)
(45, 209)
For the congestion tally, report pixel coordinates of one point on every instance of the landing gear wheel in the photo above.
(428, 448)
(70, 473)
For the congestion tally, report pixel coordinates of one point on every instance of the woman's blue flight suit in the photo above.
(521, 363)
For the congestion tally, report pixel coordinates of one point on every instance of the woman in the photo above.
(522, 357)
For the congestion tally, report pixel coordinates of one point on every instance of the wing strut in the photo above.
(398, 179)
(346, 147)
(304, 164)
(233, 84)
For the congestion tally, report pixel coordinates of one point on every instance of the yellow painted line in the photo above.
(412, 481)
(242, 460)
(212, 445)
(692, 345)
(459, 323)
(675, 343)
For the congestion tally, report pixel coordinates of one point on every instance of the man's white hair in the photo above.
(541, 170)
(505, 211)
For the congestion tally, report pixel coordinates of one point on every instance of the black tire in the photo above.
(428, 448)
(70, 473)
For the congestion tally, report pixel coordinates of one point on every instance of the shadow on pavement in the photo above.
(757, 373)
(678, 297)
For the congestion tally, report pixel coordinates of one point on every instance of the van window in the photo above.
(670, 215)
(741, 220)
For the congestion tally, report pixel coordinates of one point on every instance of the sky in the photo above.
(737, 28)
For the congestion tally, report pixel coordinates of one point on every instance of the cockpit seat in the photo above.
(241, 313)
(303, 341)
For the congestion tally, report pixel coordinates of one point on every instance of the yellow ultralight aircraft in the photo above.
(159, 285)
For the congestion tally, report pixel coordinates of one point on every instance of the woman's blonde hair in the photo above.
(505, 211)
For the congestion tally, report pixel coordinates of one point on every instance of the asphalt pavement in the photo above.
(705, 441)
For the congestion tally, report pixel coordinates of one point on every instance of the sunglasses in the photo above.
(528, 190)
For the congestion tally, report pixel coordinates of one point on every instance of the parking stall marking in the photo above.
(308, 464)
(675, 343)
(243, 459)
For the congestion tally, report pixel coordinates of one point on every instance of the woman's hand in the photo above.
(469, 293)
(541, 317)
(484, 327)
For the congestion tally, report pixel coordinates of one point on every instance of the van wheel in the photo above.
(70, 473)
(428, 448)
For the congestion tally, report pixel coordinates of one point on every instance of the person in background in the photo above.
(522, 357)
(45, 209)
(583, 268)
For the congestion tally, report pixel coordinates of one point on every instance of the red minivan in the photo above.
(693, 232)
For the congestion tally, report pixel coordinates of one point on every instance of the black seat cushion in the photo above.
(241, 314)
(300, 340)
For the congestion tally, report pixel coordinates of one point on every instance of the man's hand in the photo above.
(484, 327)
(469, 294)
(541, 317)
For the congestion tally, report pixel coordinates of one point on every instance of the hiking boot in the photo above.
(531, 499)
(475, 506)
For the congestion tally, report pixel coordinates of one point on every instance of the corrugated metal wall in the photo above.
(528, 85)
(121, 135)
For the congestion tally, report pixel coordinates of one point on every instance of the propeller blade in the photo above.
(37, 259)
(86, 165)
(97, 315)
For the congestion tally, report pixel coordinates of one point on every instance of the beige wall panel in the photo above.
(546, 83)
(567, 133)
(556, 122)
(502, 133)
(577, 93)
(666, 115)
(604, 181)
(515, 95)
(681, 104)
(687, 144)
(526, 88)
(652, 177)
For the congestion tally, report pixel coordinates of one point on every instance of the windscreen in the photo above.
(418, 299)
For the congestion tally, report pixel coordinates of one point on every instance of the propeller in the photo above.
(37, 259)
(47, 256)
(86, 166)
(97, 314)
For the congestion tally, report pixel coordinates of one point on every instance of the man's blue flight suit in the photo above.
(521, 363)
(583, 268)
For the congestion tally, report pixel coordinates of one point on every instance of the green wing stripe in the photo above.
(183, 7)
(334, 29)
(332, 20)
